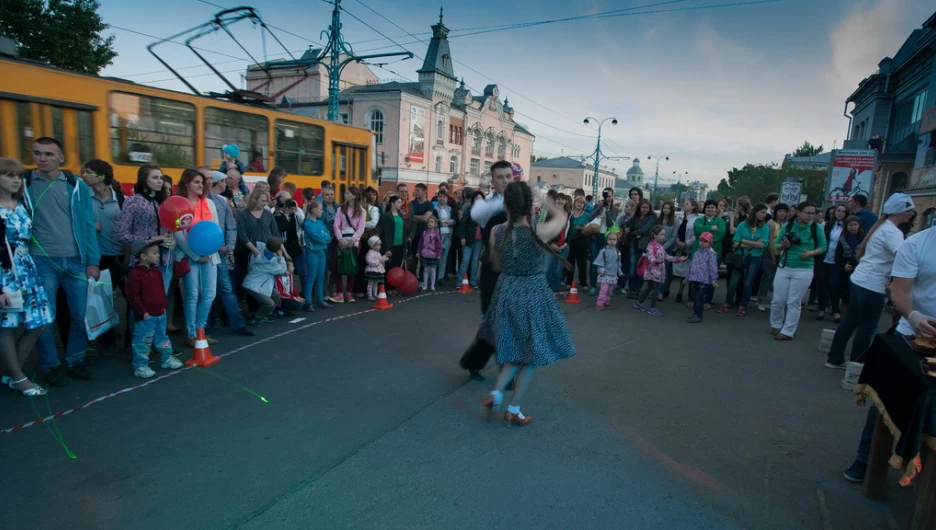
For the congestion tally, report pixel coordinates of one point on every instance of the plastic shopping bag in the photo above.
(100, 314)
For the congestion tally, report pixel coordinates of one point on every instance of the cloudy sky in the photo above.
(710, 87)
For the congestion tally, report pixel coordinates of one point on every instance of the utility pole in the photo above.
(656, 177)
(679, 176)
(598, 155)
(333, 50)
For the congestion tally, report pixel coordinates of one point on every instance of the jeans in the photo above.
(146, 333)
(862, 318)
(555, 270)
(315, 274)
(634, 279)
(649, 288)
(470, 256)
(70, 275)
(266, 303)
(768, 270)
(749, 274)
(201, 284)
(595, 244)
(443, 261)
(864, 446)
(299, 265)
(225, 291)
(827, 278)
(698, 291)
(789, 287)
(667, 278)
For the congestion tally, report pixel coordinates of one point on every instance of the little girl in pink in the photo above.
(374, 271)
(656, 258)
(430, 251)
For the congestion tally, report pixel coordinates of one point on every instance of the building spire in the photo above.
(440, 16)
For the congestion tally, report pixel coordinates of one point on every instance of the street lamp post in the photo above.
(656, 176)
(598, 155)
(679, 176)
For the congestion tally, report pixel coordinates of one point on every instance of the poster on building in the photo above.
(790, 192)
(417, 135)
(852, 174)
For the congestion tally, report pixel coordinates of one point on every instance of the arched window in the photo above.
(477, 141)
(440, 124)
(489, 150)
(929, 219)
(453, 164)
(502, 147)
(898, 183)
(539, 178)
(377, 125)
(438, 164)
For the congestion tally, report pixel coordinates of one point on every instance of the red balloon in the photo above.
(395, 276)
(176, 213)
(410, 284)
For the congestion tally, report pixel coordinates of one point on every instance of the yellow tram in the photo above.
(128, 125)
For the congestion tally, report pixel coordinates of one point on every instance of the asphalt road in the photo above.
(369, 423)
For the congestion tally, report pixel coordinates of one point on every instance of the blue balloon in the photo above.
(205, 238)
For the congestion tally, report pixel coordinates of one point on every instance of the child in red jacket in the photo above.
(290, 301)
(146, 294)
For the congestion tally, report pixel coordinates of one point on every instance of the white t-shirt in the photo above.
(915, 260)
(874, 270)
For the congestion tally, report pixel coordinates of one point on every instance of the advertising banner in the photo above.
(790, 192)
(417, 135)
(852, 174)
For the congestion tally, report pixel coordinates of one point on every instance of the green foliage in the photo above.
(757, 180)
(807, 149)
(534, 158)
(64, 33)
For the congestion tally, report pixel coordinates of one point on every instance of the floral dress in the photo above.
(36, 312)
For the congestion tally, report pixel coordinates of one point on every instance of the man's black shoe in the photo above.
(475, 375)
(55, 376)
(80, 371)
(855, 472)
(244, 332)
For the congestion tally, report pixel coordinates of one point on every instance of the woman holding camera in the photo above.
(799, 243)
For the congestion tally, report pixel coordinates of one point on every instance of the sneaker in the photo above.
(722, 309)
(855, 472)
(371, 299)
(144, 372)
(592, 292)
(55, 376)
(654, 312)
(253, 322)
(335, 300)
(741, 312)
(835, 366)
(694, 320)
(326, 305)
(639, 307)
(349, 299)
(80, 371)
(171, 364)
(267, 320)
(623, 291)
(244, 332)
(600, 307)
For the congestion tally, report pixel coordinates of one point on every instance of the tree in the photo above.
(64, 33)
(534, 158)
(757, 180)
(807, 149)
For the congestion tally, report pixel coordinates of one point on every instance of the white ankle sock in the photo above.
(515, 409)
(498, 397)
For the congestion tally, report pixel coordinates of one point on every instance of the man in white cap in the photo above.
(225, 289)
(868, 285)
(914, 294)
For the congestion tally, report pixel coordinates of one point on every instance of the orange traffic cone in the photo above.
(382, 302)
(202, 356)
(465, 286)
(573, 297)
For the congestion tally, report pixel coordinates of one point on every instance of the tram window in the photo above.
(249, 131)
(85, 136)
(147, 130)
(362, 166)
(58, 129)
(300, 147)
(27, 131)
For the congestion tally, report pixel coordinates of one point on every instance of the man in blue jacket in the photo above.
(65, 248)
(858, 205)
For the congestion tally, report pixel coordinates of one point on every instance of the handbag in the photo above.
(737, 260)
(181, 268)
(16, 297)
(681, 268)
(347, 261)
(100, 314)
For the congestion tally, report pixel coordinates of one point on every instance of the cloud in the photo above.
(864, 37)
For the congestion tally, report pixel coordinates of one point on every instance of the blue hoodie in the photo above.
(82, 216)
(317, 235)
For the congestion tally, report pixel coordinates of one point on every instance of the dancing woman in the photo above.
(523, 323)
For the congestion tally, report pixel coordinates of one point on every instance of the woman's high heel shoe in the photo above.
(491, 407)
(34, 391)
(510, 417)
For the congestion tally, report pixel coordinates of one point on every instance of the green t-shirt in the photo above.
(791, 256)
(397, 230)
